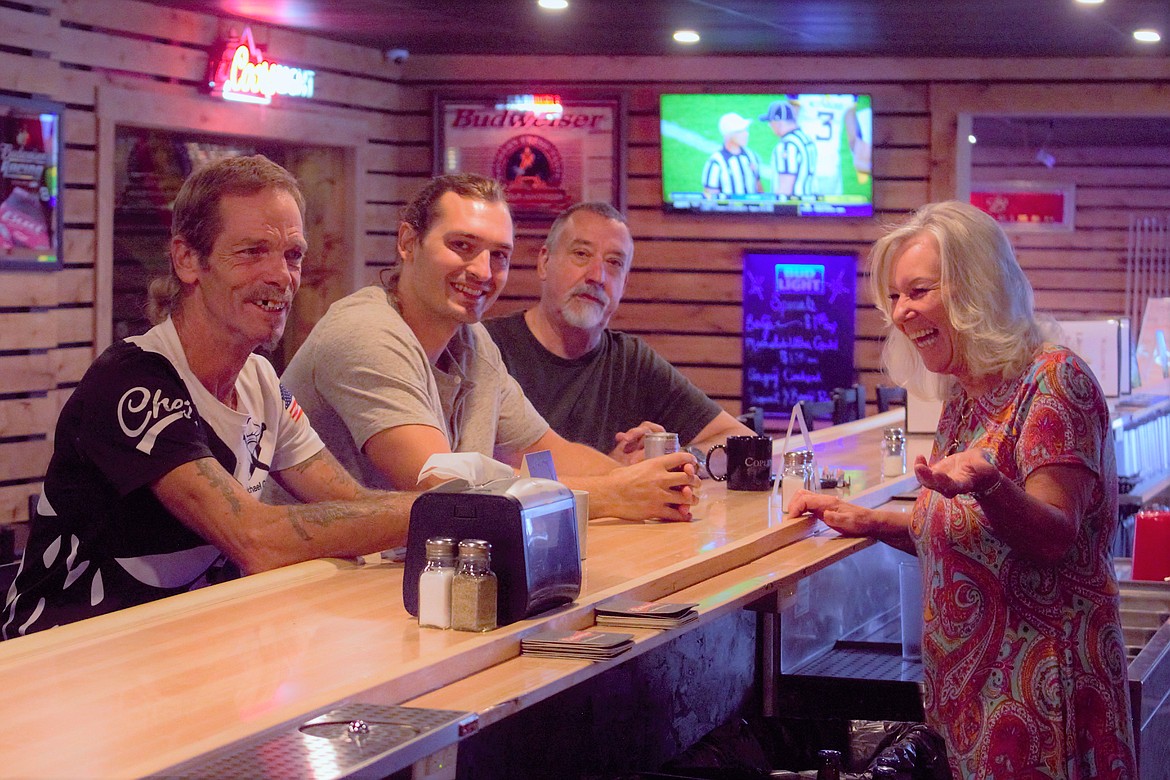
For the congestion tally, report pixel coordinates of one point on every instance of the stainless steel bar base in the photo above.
(353, 740)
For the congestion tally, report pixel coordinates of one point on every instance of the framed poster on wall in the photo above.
(30, 173)
(1027, 206)
(548, 152)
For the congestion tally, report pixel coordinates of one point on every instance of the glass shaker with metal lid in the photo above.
(798, 473)
(434, 584)
(474, 588)
(893, 452)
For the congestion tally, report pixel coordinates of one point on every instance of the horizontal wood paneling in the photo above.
(142, 19)
(27, 30)
(79, 205)
(157, 54)
(99, 49)
(26, 416)
(25, 460)
(39, 77)
(717, 382)
(79, 246)
(1087, 274)
(80, 166)
(25, 373)
(730, 72)
(28, 288)
(684, 292)
(70, 363)
(14, 501)
(75, 285)
(80, 127)
(28, 330)
(74, 326)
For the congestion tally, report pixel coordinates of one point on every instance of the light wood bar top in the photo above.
(137, 691)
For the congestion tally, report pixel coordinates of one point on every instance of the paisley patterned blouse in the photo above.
(1025, 663)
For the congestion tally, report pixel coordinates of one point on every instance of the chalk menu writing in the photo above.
(798, 325)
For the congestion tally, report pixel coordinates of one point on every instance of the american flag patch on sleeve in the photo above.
(290, 404)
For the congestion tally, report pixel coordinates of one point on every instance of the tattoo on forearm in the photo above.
(299, 529)
(329, 474)
(307, 463)
(219, 480)
(321, 515)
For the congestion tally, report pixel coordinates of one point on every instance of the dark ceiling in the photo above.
(928, 28)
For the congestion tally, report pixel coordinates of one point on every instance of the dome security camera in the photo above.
(397, 56)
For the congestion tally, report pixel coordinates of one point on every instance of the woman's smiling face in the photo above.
(917, 309)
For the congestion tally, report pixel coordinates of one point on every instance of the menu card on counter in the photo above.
(799, 318)
(585, 644)
(629, 613)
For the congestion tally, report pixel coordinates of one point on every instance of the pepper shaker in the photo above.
(474, 588)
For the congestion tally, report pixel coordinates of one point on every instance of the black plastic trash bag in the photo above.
(786, 749)
(730, 752)
(919, 753)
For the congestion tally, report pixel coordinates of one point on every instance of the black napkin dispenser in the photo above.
(532, 527)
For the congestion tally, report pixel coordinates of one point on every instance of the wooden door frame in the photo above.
(953, 107)
(198, 114)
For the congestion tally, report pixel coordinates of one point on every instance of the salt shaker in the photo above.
(434, 584)
(474, 588)
(797, 474)
(893, 452)
(810, 471)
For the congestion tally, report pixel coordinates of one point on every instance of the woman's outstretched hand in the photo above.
(969, 471)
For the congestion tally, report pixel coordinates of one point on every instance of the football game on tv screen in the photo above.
(791, 154)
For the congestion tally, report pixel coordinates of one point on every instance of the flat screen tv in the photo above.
(30, 202)
(789, 154)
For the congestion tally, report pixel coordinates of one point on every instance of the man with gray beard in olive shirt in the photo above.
(594, 385)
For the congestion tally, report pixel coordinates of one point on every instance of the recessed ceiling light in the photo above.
(686, 36)
(1147, 36)
(553, 5)
(1090, 2)
(971, 138)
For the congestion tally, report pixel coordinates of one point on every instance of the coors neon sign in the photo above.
(242, 74)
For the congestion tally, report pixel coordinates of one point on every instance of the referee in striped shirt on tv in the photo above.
(732, 169)
(794, 160)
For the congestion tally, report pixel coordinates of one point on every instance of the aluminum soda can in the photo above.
(660, 443)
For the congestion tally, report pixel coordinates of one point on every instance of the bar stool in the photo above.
(890, 396)
(818, 410)
(754, 419)
(848, 404)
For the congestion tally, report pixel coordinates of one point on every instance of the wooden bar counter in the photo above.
(135, 692)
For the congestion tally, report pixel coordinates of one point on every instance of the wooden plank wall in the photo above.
(684, 293)
(1084, 273)
(64, 50)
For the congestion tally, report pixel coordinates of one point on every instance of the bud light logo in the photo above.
(803, 279)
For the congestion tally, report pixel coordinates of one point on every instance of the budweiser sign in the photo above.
(239, 72)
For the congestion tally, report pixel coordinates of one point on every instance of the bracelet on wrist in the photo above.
(980, 495)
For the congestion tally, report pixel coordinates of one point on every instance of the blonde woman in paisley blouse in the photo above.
(1024, 661)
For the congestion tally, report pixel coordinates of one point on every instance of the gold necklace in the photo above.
(961, 426)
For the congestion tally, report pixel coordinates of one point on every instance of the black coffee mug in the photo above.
(749, 462)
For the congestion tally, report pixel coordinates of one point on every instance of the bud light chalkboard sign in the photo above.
(798, 323)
